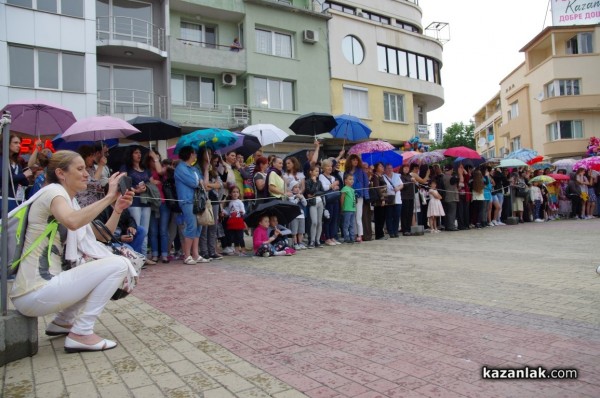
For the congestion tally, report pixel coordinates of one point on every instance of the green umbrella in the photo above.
(512, 163)
(543, 179)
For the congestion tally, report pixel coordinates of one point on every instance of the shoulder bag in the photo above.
(207, 217)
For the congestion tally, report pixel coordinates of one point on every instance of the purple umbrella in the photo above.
(98, 128)
(39, 117)
(370, 147)
(245, 145)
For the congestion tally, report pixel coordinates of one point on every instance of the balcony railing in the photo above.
(131, 102)
(130, 29)
(207, 44)
(210, 115)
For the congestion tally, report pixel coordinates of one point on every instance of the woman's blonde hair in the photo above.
(326, 163)
(59, 160)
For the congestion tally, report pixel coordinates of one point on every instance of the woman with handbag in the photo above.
(378, 199)
(331, 189)
(187, 181)
(361, 187)
(213, 185)
(53, 284)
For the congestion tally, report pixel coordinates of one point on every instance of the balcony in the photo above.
(196, 114)
(569, 103)
(205, 57)
(117, 35)
(565, 148)
(128, 103)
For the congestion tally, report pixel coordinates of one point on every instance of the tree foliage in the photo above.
(458, 134)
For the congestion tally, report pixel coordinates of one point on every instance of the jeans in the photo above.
(392, 218)
(140, 235)
(159, 226)
(141, 215)
(316, 222)
(450, 208)
(536, 209)
(331, 226)
(78, 295)
(348, 218)
(463, 212)
(191, 228)
(208, 236)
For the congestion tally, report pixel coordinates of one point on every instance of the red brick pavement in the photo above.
(329, 341)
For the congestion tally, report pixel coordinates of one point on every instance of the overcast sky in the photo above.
(485, 39)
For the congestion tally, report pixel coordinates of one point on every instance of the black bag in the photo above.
(171, 195)
(521, 192)
(200, 198)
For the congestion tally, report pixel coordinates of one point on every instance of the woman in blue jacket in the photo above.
(187, 179)
(361, 187)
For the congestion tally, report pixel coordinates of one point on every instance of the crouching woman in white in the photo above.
(47, 284)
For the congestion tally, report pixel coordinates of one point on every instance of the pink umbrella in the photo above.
(427, 157)
(370, 147)
(462, 152)
(171, 152)
(407, 155)
(39, 117)
(588, 163)
(97, 128)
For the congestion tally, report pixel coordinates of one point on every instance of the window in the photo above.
(200, 35)
(356, 102)
(490, 134)
(273, 43)
(513, 112)
(353, 50)
(192, 91)
(42, 68)
(563, 87)
(123, 89)
(393, 107)
(580, 44)
(273, 94)
(565, 130)
(403, 63)
(72, 8)
(515, 144)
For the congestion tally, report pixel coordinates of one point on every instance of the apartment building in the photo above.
(551, 102)
(175, 60)
(487, 122)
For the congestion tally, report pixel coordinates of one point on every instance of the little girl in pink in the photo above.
(435, 208)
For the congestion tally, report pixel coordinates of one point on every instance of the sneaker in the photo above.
(500, 223)
(215, 257)
(302, 246)
(266, 254)
(297, 246)
(190, 261)
(491, 224)
(164, 260)
(330, 243)
(201, 259)
(228, 250)
(337, 242)
(310, 246)
(538, 220)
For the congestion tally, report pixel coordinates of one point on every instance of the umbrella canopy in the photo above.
(313, 123)
(407, 155)
(39, 117)
(592, 163)
(59, 144)
(468, 162)
(559, 177)
(208, 138)
(512, 163)
(266, 133)
(463, 152)
(542, 166)
(523, 154)
(427, 157)
(391, 157)
(154, 128)
(564, 164)
(543, 179)
(285, 212)
(245, 145)
(370, 147)
(536, 159)
(350, 128)
(99, 128)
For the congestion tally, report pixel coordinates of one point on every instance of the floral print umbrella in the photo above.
(370, 147)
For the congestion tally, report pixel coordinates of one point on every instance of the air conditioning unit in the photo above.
(228, 79)
(310, 36)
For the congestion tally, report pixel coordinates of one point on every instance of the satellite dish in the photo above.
(481, 142)
(540, 96)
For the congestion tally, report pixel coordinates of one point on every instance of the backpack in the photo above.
(170, 193)
(18, 219)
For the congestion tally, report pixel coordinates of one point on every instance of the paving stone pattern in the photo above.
(407, 317)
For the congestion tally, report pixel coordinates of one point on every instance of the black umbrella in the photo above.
(313, 123)
(117, 155)
(154, 128)
(285, 212)
(245, 145)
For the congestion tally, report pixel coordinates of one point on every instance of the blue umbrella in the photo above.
(391, 157)
(60, 144)
(208, 138)
(468, 162)
(523, 154)
(350, 128)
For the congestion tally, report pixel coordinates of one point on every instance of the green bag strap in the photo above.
(50, 230)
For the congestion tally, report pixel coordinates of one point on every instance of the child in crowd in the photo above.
(262, 243)
(348, 204)
(535, 194)
(435, 208)
(297, 225)
(281, 243)
(235, 225)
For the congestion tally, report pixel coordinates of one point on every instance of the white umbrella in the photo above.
(266, 133)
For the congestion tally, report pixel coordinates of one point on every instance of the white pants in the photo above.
(78, 295)
(359, 211)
